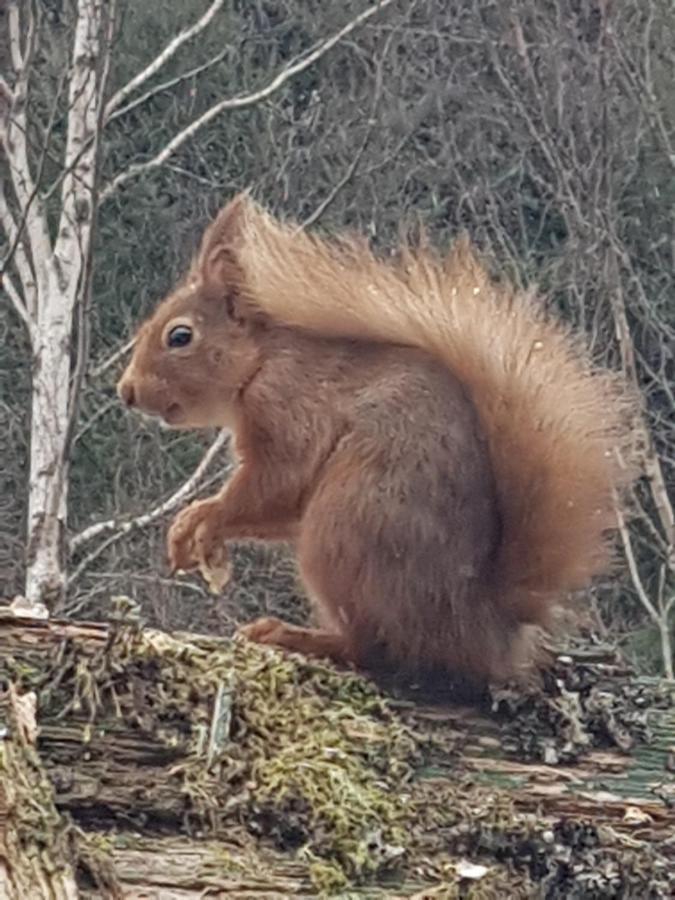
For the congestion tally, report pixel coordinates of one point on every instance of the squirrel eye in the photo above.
(180, 336)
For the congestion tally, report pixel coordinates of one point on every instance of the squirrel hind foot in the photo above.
(314, 642)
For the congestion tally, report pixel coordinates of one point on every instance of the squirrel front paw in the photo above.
(195, 541)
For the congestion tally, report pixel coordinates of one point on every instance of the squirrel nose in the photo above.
(125, 390)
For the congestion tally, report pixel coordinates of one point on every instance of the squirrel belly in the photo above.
(444, 457)
(399, 522)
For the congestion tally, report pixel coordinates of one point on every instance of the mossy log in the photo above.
(35, 851)
(166, 766)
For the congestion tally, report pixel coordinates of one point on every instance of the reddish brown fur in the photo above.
(443, 458)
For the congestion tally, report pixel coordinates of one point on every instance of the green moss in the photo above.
(304, 756)
(37, 843)
(315, 770)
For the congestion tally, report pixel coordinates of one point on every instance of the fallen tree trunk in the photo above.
(191, 763)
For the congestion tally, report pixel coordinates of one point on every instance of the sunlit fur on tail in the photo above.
(559, 430)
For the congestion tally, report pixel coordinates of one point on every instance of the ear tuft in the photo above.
(219, 272)
(217, 263)
(226, 230)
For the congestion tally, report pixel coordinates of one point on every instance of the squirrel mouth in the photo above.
(173, 414)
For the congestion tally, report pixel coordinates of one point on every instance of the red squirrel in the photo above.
(442, 456)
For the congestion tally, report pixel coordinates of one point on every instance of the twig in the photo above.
(122, 527)
(651, 463)
(17, 55)
(112, 359)
(92, 420)
(15, 234)
(13, 136)
(633, 568)
(167, 85)
(242, 101)
(161, 60)
(21, 260)
(351, 169)
(660, 619)
(12, 292)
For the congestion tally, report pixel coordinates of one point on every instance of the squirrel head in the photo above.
(201, 346)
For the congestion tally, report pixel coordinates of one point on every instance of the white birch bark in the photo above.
(54, 280)
(61, 285)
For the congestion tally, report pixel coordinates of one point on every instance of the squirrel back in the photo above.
(559, 430)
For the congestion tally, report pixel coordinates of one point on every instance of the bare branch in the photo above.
(664, 507)
(353, 166)
(244, 100)
(12, 292)
(13, 135)
(15, 37)
(167, 53)
(314, 216)
(652, 464)
(633, 568)
(641, 86)
(108, 41)
(6, 97)
(658, 617)
(112, 359)
(167, 85)
(103, 409)
(123, 527)
(14, 229)
(16, 250)
(81, 143)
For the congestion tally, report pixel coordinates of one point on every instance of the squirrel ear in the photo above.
(219, 271)
(226, 229)
(216, 260)
(218, 264)
(223, 283)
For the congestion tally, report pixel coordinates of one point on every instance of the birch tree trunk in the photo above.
(54, 273)
(48, 460)
(64, 286)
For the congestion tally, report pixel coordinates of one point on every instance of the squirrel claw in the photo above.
(195, 542)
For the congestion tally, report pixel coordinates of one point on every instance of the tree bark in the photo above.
(47, 500)
(62, 284)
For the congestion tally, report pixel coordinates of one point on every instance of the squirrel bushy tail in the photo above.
(560, 430)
